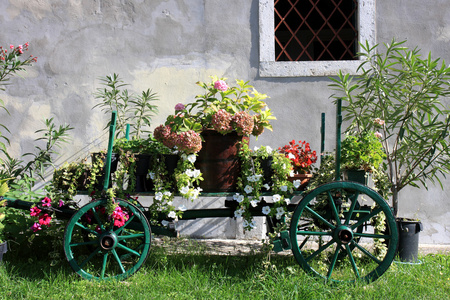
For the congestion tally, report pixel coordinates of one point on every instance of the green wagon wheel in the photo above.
(96, 247)
(333, 233)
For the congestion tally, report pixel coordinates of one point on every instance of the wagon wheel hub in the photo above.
(108, 241)
(343, 234)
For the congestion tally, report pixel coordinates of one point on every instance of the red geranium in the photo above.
(300, 155)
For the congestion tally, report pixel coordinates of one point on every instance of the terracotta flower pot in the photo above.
(304, 180)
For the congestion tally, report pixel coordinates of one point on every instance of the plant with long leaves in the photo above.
(134, 109)
(401, 95)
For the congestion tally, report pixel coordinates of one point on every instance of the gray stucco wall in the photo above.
(168, 45)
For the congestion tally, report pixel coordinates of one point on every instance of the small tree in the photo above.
(399, 95)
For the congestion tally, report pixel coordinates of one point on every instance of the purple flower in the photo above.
(179, 106)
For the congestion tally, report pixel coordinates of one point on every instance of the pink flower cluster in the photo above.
(187, 141)
(221, 121)
(221, 85)
(43, 218)
(119, 216)
(19, 50)
(179, 106)
(243, 123)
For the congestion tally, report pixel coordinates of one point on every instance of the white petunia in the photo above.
(182, 207)
(192, 158)
(255, 148)
(248, 189)
(254, 203)
(251, 224)
(238, 213)
(297, 183)
(184, 190)
(196, 173)
(151, 175)
(283, 188)
(276, 198)
(266, 210)
(291, 156)
(189, 173)
(269, 149)
(167, 193)
(280, 210)
(164, 223)
(287, 200)
(172, 214)
(266, 186)
(292, 173)
(158, 196)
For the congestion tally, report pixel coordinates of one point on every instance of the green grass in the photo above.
(196, 275)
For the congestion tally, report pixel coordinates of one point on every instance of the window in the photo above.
(313, 37)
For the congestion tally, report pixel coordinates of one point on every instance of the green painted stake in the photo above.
(322, 138)
(127, 132)
(112, 130)
(338, 138)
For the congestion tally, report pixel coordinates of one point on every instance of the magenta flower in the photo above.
(61, 203)
(45, 219)
(35, 227)
(221, 85)
(47, 202)
(35, 211)
(179, 106)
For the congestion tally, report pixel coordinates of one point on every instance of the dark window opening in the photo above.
(312, 30)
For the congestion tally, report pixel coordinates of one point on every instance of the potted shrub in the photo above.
(72, 177)
(221, 117)
(361, 153)
(398, 93)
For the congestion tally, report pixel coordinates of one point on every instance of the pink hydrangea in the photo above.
(243, 123)
(179, 106)
(189, 141)
(221, 121)
(164, 134)
(221, 85)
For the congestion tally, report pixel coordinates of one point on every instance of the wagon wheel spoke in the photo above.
(120, 229)
(333, 262)
(354, 200)
(366, 252)
(323, 220)
(105, 262)
(333, 207)
(320, 250)
(85, 228)
(97, 218)
(128, 249)
(119, 262)
(84, 262)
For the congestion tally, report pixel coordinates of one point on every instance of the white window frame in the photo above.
(268, 67)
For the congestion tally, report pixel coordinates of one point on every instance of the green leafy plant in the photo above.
(136, 110)
(398, 93)
(362, 151)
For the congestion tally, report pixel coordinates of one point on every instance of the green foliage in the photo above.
(137, 110)
(399, 93)
(363, 151)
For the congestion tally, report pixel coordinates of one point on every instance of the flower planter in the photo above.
(3, 250)
(356, 175)
(143, 163)
(218, 161)
(304, 180)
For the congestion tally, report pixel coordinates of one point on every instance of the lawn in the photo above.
(195, 274)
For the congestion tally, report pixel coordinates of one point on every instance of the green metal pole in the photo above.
(127, 132)
(338, 139)
(112, 130)
(322, 138)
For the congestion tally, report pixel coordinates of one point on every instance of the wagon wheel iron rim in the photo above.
(98, 250)
(339, 242)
